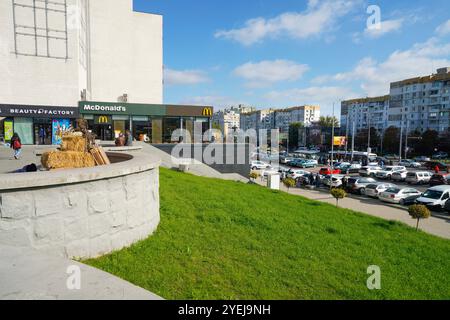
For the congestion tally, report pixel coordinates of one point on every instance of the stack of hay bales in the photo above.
(73, 154)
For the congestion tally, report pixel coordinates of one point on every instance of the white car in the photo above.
(336, 180)
(387, 172)
(270, 171)
(435, 198)
(409, 163)
(420, 177)
(402, 196)
(373, 190)
(369, 171)
(294, 174)
(399, 176)
(259, 165)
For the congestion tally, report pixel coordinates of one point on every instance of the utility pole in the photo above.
(346, 137)
(401, 139)
(353, 138)
(368, 135)
(332, 150)
(406, 138)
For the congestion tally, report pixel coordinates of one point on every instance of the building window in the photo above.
(40, 28)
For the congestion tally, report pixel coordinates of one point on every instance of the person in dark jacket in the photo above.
(16, 145)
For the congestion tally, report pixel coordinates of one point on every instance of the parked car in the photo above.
(351, 168)
(419, 177)
(386, 172)
(440, 155)
(374, 189)
(409, 163)
(269, 171)
(259, 165)
(358, 185)
(435, 198)
(334, 182)
(391, 157)
(439, 179)
(329, 171)
(431, 165)
(422, 159)
(285, 159)
(369, 171)
(306, 164)
(403, 196)
(399, 176)
(447, 206)
(294, 174)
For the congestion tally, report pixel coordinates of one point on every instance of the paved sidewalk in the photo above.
(26, 274)
(438, 224)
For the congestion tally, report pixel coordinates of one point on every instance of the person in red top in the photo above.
(436, 169)
(16, 145)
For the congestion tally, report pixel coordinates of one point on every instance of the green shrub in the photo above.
(418, 212)
(254, 175)
(338, 194)
(289, 183)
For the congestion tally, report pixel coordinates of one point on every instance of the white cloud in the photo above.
(184, 77)
(444, 28)
(264, 73)
(375, 77)
(323, 96)
(319, 17)
(385, 27)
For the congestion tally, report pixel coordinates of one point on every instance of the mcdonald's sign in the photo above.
(102, 120)
(207, 112)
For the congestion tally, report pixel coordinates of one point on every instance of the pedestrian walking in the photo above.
(128, 138)
(16, 145)
(42, 135)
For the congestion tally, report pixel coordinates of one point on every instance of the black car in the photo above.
(431, 165)
(439, 179)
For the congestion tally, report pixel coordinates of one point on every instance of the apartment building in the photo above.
(421, 103)
(416, 104)
(228, 120)
(280, 118)
(364, 113)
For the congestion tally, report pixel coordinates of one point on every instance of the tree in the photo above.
(338, 194)
(253, 176)
(418, 212)
(391, 140)
(327, 122)
(289, 183)
(428, 143)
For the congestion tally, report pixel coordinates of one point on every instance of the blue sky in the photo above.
(270, 53)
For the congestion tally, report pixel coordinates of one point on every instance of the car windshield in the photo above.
(433, 194)
(393, 190)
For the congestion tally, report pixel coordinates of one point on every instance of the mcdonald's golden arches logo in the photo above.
(103, 120)
(207, 112)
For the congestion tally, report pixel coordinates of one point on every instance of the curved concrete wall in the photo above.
(81, 213)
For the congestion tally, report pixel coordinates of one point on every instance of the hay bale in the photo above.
(73, 143)
(67, 160)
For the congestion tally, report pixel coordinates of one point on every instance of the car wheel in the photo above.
(254, 168)
(362, 191)
(402, 202)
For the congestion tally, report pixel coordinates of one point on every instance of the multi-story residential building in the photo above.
(305, 114)
(228, 120)
(364, 113)
(421, 103)
(416, 104)
(280, 118)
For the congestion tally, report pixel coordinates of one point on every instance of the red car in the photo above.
(328, 171)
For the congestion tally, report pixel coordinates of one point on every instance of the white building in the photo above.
(228, 120)
(421, 103)
(364, 113)
(57, 53)
(280, 118)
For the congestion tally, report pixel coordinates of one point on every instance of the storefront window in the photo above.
(142, 129)
(204, 123)
(42, 129)
(157, 126)
(169, 126)
(24, 128)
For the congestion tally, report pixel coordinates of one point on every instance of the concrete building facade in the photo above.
(228, 120)
(416, 104)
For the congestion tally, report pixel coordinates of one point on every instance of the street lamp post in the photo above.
(332, 150)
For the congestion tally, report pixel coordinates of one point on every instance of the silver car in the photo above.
(358, 185)
(373, 190)
(403, 196)
(387, 172)
(420, 177)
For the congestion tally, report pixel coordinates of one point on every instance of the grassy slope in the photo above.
(228, 240)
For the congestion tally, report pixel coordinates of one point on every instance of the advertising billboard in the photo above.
(59, 126)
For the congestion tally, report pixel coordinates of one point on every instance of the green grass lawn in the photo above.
(227, 240)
